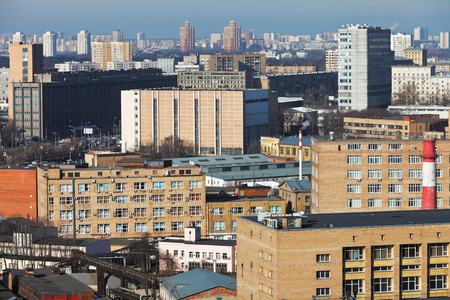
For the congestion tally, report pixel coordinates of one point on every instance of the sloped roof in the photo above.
(196, 281)
(297, 185)
(293, 140)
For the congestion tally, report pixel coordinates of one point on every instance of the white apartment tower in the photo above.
(444, 40)
(400, 42)
(49, 41)
(141, 45)
(18, 37)
(364, 67)
(117, 35)
(421, 34)
(83, 42)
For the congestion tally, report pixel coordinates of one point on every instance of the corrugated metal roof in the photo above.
(196, 281)
(219, 160)
(293, 140)
(297, 185)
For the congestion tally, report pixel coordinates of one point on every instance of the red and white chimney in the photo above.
(300, 155)
(429, 174)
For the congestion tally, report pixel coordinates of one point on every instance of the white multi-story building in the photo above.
(167, 65)
(364, 67)
(444, 40)
(428, 86)
(129, 65)
(49, 39)
(4, 79)
(400, 42)
(75, 66)
(141, 44)
(117, 35)
(18, 37)
(332, 60)
(421, 34)
(83, 42)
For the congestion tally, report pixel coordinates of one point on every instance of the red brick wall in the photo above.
(18, 194)
(218, 291)
(252, 192)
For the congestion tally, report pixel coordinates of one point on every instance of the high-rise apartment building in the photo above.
(444, 40)
(332, 60)
(421, 34)
(83, 42)
(25, 61)
(364, 67)
(18, 37)
(187, 37)
(253, 62)
(400, 42)
(117, 35)
(103, 52)
(49, 39)
(232, 38)
(141, 43)
(216, 40)
(216, 122)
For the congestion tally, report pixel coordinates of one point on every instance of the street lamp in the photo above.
(100, 137)
(56, 134)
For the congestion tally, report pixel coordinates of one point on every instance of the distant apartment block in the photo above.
(232, 38)
(444, 40)
(83, 42)
(75, 66)
(19, 37)
(117, 35)
(187, 38)
(421, 34)
(215, 80)
(418, 56)
(362, 50)
(254, 62)
(4, 80)
(332, 60)
(131, 65)
(290, 69)
(49, 41)
(400, 42)
(215, 121)
(104, 52)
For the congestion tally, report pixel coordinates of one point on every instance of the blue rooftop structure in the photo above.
(196, 281)
(297, 185)
(293, 140)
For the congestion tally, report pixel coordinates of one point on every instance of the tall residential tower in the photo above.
(49, 39)
(232, 38)
(187, 38)
(83, 42)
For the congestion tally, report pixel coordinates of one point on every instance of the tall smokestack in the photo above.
(429, 174)
(300, 152)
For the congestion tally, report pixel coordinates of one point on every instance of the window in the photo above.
(374, 174)
(121, 213)
(122, 227)
(354, 286)
(354, 159)
(395, 173)
(218, 210)
(195, 197)
(102, 199)
(195, 210)
(102, 213)
(65, 215)
(382, 285)
(121, 199)
(195, 184)
(374, 159)
(374, 202)
(233, 225)
(65, 201)
(195, 224)
(176, 197)
(438, 266)
(275, 209)
(439, 187)
(353, 188)
(395, 146)
(415, 202)
(140, 186)
(395, 159)
(411, 267)
(159, 185)
(84, 213)
(51, 215)
(51, 201)
(415, 173)
(354, 174)
(415, 187)
(410, 283)
(139, 198)
(65, 187)
(353, 203)
(415, 159)
(374, 146)
(158, 198)
(410, 251)
(323, 292)
(121, 186)
(255, 209)
(354, 146)
(85, 229)
(439, 159)
(140, 227)
(140, 212)
(354, 270)
(382, 268)
(239, 210)
(176, 185)
(51, 188)
(321, 258)
(439, 173)
(159, 226)
(381, 252)
(439, 249)
(374, 188)
(66, 229)
(177, 226)
(438, 282)
(84, 200)
(159, 212)
(219, 225)
(394, 188)
(103, 228)
(322, 274)
(84, 187)
(354, 253)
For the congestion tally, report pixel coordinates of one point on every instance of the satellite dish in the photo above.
(192, 163)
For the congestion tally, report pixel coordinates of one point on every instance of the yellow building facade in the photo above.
(286, 148)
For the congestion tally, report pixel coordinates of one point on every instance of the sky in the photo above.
(162, 19)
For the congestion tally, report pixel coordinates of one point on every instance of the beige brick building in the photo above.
(122, 202)
(418, 56)
(25, 61)
(290, 69)
(104, 52)
(373, 175)
(254, 62)
(381, 255)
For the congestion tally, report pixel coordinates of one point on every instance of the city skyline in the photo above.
(293, 17)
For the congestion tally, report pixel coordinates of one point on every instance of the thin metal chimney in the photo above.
(300, 155)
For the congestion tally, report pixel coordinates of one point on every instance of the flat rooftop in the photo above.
(204, 242)
(372, 219)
